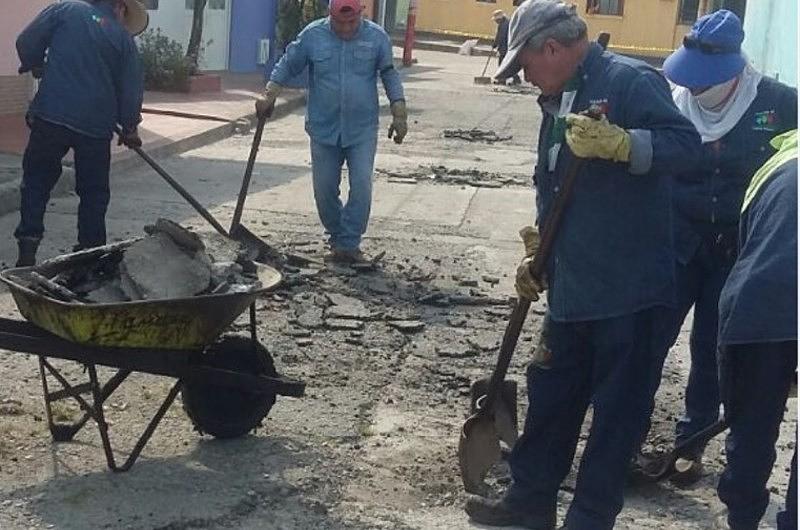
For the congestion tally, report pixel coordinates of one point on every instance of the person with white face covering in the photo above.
(737, 111)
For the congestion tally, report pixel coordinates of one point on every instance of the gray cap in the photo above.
(531, 17)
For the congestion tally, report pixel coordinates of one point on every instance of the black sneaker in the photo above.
(497, 512)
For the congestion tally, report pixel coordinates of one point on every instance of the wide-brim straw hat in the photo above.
(136, 17)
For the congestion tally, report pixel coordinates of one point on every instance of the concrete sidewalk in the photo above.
(171, 123)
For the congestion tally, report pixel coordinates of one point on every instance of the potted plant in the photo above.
(293, 16)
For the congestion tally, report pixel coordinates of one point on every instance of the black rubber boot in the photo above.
(26, 255)
(497, 512)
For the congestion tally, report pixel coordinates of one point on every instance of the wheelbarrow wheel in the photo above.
(225, 412)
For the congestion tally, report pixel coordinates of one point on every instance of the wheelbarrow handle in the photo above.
(204, 213)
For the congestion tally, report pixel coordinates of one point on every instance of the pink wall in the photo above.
(16, 15)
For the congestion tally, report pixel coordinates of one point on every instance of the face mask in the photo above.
(715, 96)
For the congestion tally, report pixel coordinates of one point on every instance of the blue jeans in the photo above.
(344, 224)
(698, 284)
(41, 165)
(755, 385)
(603, 363)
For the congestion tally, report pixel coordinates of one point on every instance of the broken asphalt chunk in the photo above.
(407, 326)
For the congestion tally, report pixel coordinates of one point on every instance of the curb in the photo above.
(10, 194)
(442, 47)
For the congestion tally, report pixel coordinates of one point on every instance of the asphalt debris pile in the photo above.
(476, 135)
(439, 174)
(170, 262)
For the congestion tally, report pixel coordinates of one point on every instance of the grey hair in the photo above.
(566, 32)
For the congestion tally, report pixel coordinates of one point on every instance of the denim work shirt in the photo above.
(708, 198)
(614, 254)
(92, 72)
(342, 80)
(759, 301)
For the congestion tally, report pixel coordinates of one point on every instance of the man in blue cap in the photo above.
(737, 111)
(758, 340)
(611, 272)
(91, 81)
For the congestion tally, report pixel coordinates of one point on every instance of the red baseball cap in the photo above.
(345, 9)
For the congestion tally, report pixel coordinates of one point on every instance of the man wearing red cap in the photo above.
(344, 55)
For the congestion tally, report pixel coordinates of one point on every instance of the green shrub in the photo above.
(165, 65)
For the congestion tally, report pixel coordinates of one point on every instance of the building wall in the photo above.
(251, 21)
(646, 27)
(15, 90)
(175, 21)
(770, 28)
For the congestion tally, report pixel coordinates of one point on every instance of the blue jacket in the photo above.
(342, 80)
(708, 198)
(92, 71)
(759, 300)
(614, 253)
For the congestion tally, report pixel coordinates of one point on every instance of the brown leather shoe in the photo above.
(346, 256)
(498, 512)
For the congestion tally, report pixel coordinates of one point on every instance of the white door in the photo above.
(216, 31)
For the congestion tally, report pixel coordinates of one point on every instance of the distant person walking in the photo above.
(501, 44)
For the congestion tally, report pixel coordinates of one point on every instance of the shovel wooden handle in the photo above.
(248, 172)
(488, 59)
(517, 319)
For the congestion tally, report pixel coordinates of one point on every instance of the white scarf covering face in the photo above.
(713, 124)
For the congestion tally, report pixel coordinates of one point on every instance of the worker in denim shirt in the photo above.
(344, 55)
(91, 81)
(737, 111)
(611, 272)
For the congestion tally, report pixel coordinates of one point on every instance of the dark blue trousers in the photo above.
(698, 284)
(602, 363)
(41, 165)
(756, 379)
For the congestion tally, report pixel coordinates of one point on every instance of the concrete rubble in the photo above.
(171, 262)
(476, 135)
(438, 174)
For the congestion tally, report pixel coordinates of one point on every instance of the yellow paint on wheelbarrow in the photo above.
(187, 323)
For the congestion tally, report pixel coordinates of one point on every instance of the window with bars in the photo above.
(605, 7)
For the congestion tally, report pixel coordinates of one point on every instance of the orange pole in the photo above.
(408, 45)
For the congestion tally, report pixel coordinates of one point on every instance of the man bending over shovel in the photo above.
(91, 81)
(610, 273)
(344, 55)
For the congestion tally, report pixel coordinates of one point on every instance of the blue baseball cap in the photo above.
(711, 53)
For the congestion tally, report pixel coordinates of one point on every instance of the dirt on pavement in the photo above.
(387, 355)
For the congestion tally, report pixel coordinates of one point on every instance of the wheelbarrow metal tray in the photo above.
(178, 324)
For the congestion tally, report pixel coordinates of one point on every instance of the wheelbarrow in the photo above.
(228, 382)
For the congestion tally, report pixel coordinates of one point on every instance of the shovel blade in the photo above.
(263, 251)
(482, 80)
(505, 408)
(478, 451)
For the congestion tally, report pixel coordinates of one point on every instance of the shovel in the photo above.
(483, 79)
(495, 416)
(259, 249)
(670, 465)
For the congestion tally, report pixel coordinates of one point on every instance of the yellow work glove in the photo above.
(526, 285)
(399, 126)
(597, 138)
(266, 103)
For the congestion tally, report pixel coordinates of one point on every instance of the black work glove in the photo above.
(130, 139)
